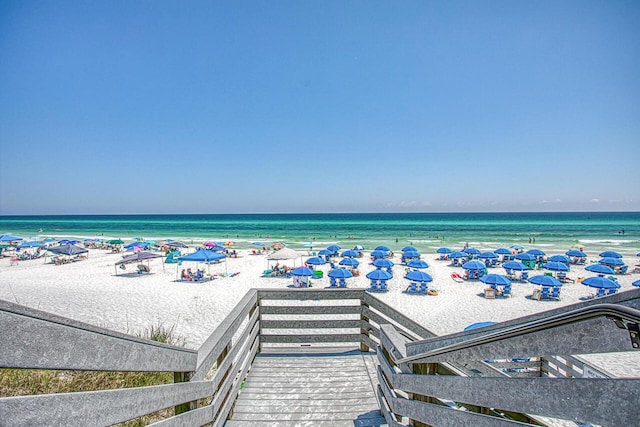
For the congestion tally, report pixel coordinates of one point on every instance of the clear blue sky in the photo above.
(319, 106)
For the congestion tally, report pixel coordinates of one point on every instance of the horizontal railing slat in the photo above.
(307, 294)
(309, 309)
(319, 338)
(97, 408)
(196, 417)
(416, 329)
(310, 324)
(33, 339)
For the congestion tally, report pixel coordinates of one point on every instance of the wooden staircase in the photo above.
(321, 389)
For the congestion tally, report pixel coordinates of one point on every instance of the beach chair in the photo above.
(374, 286)
(332, 282)
(423, 288)
(489, 293)
(555, 293)
(524, 276)
(342, 283)
(506, 291)
(412, 288)
(544, 294)
(623, 269)
(142, 268)
(601, 292)
(383, 286)
(612, 291)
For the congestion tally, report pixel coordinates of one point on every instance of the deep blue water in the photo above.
(427, 231)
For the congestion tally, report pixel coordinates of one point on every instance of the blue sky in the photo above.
(319, 106)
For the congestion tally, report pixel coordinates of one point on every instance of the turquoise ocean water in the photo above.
(556, 232)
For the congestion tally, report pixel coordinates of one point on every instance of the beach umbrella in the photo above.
(68, 250)
(638, 254)
(575, 253)
(536, 252)
(302, 272)
(559, 258)
(474, 265)
(556, 266)
(516, 247)
(68, 242)
(352, 262)
(515, 265)
(458, 254)
(472, 251)
(202, 255)
(257, 243)
(340, 273)
(378, 254)
(418, 276)
(138, 244)
(382, 248)
(413, 248)
(358, 248)
(478, 325)
(610, 254)
(325, 252)
(334, 248)
(279, 245)
(525, 257)
(114, 242)
(600, 269)
(417, 263)
(350, 253)
(487, 255)
(611, 261)
(284, 253)
(636, 283)
(502, 251)
(411, 254)
(378, 274)
(9, 238)
(444, 251)
(495, 279)
(31, 244)
(383, 263)
(600, 283)
(315, 261)
(544, 280)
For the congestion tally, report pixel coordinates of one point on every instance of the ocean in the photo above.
(557, 232)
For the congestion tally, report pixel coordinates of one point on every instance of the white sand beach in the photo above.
(90, 291)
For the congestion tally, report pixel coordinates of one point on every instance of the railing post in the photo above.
(422, 369)
(183, 377)
(363, 331)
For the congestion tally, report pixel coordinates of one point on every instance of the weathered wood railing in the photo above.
(207, 381)
(445, 381)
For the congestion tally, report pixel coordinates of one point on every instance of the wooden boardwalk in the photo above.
(326, 389)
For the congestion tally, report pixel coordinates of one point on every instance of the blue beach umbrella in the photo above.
(412, 248)
(9, 238)
(638, 254)
(559, 258)
(411, 254)
(302, 272)
(502, 251)
(315, 261)
(340, 273)
(352, 262)
(417, 263)
(600, 283)
(488, 255)
(517, 247)
(610, 254)
(458, 254)
(525, 257)
(418, 276)
(636, 283)
(68, 242)
(358, 248)
(495, 279)
(325, 252)
(378, 274)
(575, 253)
(543, 280)
(258, 243)
(334, 248)
(350, 253)
(536, 252)
(378, 254)
(472, 251)
(600, 269)
(611, 261)
(515, 265)
(382, 248)
(31, 245)
(556, 266)
(474, 265)
(448, 251)
(383, 263)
